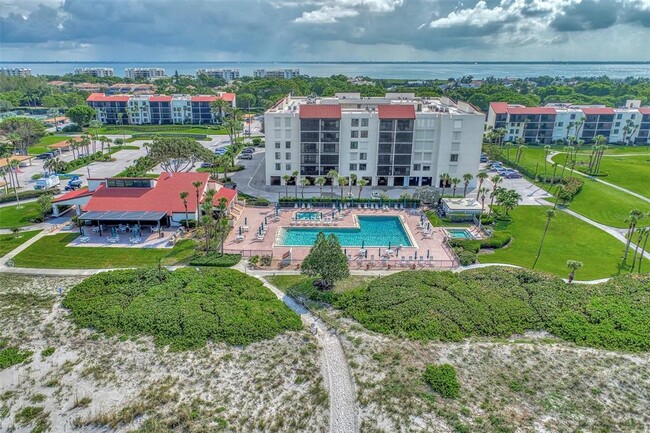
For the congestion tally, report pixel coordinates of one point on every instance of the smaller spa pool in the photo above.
(307, 216)
(459, 234)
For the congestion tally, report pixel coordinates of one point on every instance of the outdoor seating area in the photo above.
(125, 235)
(262, 229)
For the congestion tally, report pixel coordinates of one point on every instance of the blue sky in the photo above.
(332, 30)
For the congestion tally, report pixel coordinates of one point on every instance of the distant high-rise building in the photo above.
(276, 73)
(226, 74)
(16, 72)
(145, 73)
(95, 72)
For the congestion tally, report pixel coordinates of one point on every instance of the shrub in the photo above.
(32, 193)
(571, 187)
(501, 302)
(214, 259)
(443, 380)
(47, 352)
(185, 223)
(499, 239)
(119, 141)
(12, 355)
(36, 176)
(71, 128)
(254, 260)
(259, 201)
(183, 309)
(265, 260)
(471, 245)
(466, 257)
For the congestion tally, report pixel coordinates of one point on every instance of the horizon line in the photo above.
(464, 62)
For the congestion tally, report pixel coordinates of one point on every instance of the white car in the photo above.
(375, 195)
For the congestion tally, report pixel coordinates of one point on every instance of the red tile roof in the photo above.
(204, 98)
(160, 98)
(396, 111)
(164, 197)
(83, 192)
(228, 96)
(499, 107)
(320, 111)
(644, 110)
(228, 193)
(531, 110)
(597, 110)
(100, 97)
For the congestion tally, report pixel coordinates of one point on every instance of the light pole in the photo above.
(88, 169)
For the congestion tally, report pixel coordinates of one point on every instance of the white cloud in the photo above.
(331, 10)
(326, 14)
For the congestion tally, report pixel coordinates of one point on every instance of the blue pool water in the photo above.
(310, 216)
(459, 234)
(373, 231)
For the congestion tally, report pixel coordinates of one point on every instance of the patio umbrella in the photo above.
(266, 221)
(416, 254)
(366, 254)
(389, 245)
(345, 251)
(321, 215)
(428, 226)
(81, 231)
(363, 244)
(427, 254)
(379, 252)
(245, 221)
(240, 230)
(100, 230)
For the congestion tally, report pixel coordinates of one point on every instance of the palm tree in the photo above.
(467, 177)
(567, 152)
(641, 232)
(184, 196)
(547, 149)
(550, 213)
(342, 181)
(509, 199)
(223, 221)
(73, 146)
(353, 181)
(332, 174)
(361, 183)
(632, 219)
(444, 179)
(496, 180)
(219, 107)
(481, 176)
(207, 216)
(197, 184)
(320, 181)
(295, 180)
(482, 191)
(454, 183)
(574, 265)
(286, 178)
(643, 248)
(303, 182)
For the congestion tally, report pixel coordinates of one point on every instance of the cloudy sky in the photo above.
(308, 30)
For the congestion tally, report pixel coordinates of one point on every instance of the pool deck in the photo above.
(431, 248)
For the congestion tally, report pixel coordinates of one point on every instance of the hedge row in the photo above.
(178, 134)
(24, 195)
(467, 249)
(218, 260)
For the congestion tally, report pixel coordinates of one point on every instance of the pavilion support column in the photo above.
(55, 210)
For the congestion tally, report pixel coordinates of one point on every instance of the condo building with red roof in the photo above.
(394, 140)
(152, 109)
(560, 122)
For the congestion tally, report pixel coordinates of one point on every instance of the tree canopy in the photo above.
(176, 154)
(81, 114)
(23, 131)
(326, 260)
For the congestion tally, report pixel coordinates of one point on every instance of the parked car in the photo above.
(375, 195)
(513, 175)
(484, 158)
(74, 183)
(248, 150)
(245, 155)
(46, 155)
(206, 165)
(220, 151)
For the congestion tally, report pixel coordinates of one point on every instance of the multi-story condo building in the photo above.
(276, 73)
(226, 74)
(131, 88)
(144, 73)
(395, 140)
(95, 72)
(156, 109)
(555, 122)
(16, 72)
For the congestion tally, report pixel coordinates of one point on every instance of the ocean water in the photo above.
(406, 70)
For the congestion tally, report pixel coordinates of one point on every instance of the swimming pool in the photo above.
(459, 234)
(307, 216)
(373, 231)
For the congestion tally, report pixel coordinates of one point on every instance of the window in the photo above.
(364, 122)
(512, 131)
(353, 156)
(276, 122)
(278, 167)
(287, 145)
(354, 145)
(619, 116)
(287, 155)
(618, 124)
(353, 167)
(426, 156)
(453, 157)
(573, 116)
(277, 155)
(354, 134)
(458, 124)
(362, 167)
(277, 144)
(287, 122)
(633, 116)
(456, 136)
(364, 134)
(560, 123)
(363, 156)
(416, 167)
(355, 122)
(288, 167)
(615, 131)
(426, 168)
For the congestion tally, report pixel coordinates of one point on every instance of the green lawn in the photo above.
(52, 252)
(10, 242)
(12, 216)
(41, 146)
(568, 238)
(596, 201)
(630, 172)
